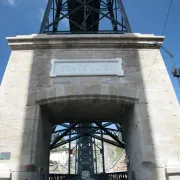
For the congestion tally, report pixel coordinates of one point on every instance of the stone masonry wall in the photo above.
(151, 128)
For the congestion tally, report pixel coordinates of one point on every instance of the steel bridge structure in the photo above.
(85, 137)
(86, 17)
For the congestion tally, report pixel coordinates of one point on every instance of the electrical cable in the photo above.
(167, 17)
(170, 54)
(148, 77)
(165, 24)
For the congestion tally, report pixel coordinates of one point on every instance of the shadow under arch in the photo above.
(109, 105)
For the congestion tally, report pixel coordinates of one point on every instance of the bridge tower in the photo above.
(87, 72)
(84, 17)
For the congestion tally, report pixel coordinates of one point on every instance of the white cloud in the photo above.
(11, 2)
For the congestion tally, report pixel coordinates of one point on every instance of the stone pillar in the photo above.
(24, 130)
(152, 128)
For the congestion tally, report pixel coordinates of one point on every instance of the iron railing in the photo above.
(118, 176)
(112, 176)
(55, 176)
(106, 176)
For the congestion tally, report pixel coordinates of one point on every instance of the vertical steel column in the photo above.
(95, 155)
(85, 153)
(102, 151)
(85, 16)
(124, 15)
(111, 12)
(46, 16)
(57, 16)
(69, 164)
(76, 158)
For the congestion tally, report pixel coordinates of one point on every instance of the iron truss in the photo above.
(84, 16)
(94, 130)
(86, 136)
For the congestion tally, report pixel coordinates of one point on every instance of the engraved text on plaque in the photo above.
(86, 67)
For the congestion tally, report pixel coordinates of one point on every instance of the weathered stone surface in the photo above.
(151, 123)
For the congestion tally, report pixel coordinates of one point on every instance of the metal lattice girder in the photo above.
(63, 134)
(85, 153)
(86, 134)
(110, 8)
(92, 130)
(54, 128)
(107, 141)
(111, 135)
(64, 125)
(65, 142)
(84, 16)
(85, 148)
(107, 124)
(56, 16)
(89, 129)
(124, 15)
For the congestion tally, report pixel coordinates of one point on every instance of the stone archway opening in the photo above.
(88, 129)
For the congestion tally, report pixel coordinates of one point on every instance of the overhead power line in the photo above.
(167, 16)
(164, 28)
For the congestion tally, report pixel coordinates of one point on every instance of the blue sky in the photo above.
(20, 17)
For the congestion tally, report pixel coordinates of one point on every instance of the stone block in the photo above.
(60, 91)
(31, 99)
(123, 91)
(172, 177)
(41, 94)
(69, 90)
(51, 93)
(92, 90)
(132, 92)
(105, 89)
(113, 90)
(25, 175)
(30, 112)
(173, 170)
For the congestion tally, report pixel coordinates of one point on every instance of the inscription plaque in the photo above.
(86, 67)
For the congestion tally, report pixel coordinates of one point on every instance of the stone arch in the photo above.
(104, 98)
(67, 91)
(100, 95)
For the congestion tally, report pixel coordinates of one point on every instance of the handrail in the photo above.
(107, 176)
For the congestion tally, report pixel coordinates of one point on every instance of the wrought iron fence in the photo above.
(107, 176)
(118, 176)
(112, 176)
(60, 177)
